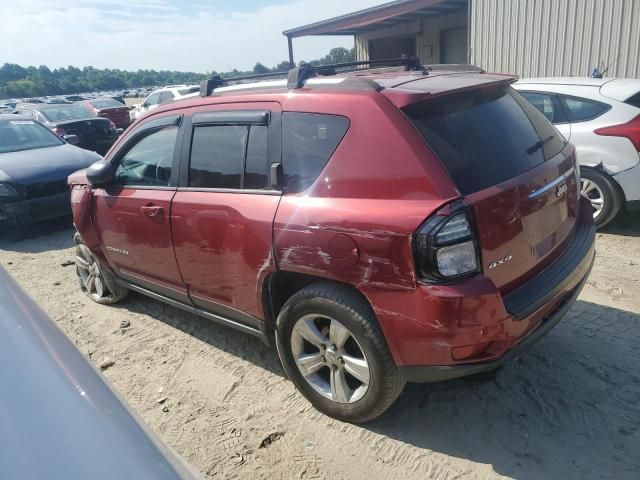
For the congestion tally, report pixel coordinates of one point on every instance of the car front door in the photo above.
(132, 214)
(222, 214)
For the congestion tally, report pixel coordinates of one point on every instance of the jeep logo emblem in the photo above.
(561, 190)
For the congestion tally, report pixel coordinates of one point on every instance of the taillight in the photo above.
(446, 247)
(59, 131)
(630, 130)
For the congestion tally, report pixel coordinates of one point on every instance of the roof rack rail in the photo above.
(298, 75)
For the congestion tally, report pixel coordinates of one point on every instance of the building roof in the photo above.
(379, 16)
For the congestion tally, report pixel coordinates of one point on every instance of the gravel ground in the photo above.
(567, 409)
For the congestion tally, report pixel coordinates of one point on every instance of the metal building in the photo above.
(530, 38)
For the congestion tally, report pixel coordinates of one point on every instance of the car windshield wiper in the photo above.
(538, 145)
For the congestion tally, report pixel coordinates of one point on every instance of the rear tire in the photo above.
(604, 194)
(332, 334)
(96, 282)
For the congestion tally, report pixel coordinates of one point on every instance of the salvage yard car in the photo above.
(96, 134)
(34, 166)
(111, 109)
(601, 117)
(382, 225)
(162, 96)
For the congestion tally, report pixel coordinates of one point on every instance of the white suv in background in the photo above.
(601, 117)
(162, 96)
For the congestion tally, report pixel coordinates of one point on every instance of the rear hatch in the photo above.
(513, 168)
(91, 132)
(117, 115)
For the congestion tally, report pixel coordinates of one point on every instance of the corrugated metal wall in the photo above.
(542, 38)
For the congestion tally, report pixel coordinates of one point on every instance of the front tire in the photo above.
(96, 282)
(333, 350)
(603, 193)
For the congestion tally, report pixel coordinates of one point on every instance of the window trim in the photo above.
(274, 144)
(156, 124)
(562, 97)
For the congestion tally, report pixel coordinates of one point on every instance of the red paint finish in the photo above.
(134, 242)
(118, 115)
(223, 245)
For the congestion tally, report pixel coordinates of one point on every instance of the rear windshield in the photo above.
(106, 103)
(66, 112)
(485, 137)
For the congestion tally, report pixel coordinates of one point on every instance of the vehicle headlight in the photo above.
(7, 191)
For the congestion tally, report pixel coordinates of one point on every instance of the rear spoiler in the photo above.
(436, 86)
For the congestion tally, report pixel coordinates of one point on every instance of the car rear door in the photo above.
(222, 214)
(132, 214)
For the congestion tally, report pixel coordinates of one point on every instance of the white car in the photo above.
(601, 117)
(162, 96)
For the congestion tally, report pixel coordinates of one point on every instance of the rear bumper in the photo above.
(26, 212)
(440, 332)
(423, 374)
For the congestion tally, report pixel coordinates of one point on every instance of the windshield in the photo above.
(64, 113)
(16, 135)
(106, 103)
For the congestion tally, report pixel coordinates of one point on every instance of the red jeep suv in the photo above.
(381, 225)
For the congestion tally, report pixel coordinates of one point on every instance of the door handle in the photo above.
(152, 210)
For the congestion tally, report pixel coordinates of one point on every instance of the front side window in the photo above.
(548, 105)
(149, 160)
(583, 110)
(309, 141)
(154, 99)
(229, 156)
(165, 97)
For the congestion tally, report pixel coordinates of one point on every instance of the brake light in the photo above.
(630, 130)
(446, 246)
(59, 131)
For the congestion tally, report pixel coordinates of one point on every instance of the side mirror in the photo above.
(72, 139)
(119, 131)
(101, 173)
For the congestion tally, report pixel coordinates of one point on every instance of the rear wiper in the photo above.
(538, 145)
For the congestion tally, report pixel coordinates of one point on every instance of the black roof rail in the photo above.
(298, 75)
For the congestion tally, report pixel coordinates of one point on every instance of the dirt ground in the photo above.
(567, 409)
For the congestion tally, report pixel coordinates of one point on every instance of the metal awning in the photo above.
(374, 18)
(381, 16)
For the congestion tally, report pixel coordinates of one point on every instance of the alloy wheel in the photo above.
(590, 190)
(330, 359)
(89, 274)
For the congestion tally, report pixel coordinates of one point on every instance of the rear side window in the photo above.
(485, 137)
(634, 101)
(309, 140)
(548, 105)
(229, 156)
(582, 110)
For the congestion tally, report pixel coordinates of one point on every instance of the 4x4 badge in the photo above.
(502, 261)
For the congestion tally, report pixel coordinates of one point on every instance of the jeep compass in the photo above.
(379, 225)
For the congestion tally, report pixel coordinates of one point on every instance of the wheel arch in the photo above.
(283, 284)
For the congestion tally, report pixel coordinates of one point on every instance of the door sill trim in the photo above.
(256, 332)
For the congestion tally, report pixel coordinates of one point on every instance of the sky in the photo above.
(184, 35)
